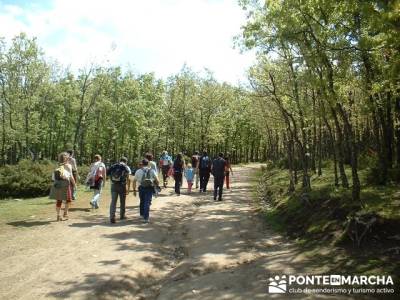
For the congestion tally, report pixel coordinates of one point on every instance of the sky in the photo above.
(157, 36)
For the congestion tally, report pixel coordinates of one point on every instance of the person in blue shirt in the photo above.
(204, 171)
(189, 174)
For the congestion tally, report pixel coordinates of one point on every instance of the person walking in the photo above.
(119, 174)
(152, 163)
(195, 164)
(147, 179)
(75, 174)
(61, 187)
(165, 165)
(189, 174)
(96, 180)
(179, 167)
(228, 170)
(204, 171)
(218, 171)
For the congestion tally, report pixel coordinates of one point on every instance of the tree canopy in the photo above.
(46, 109)
(325, 87)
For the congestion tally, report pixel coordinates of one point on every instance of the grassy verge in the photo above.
(14, 210)
(317, 220)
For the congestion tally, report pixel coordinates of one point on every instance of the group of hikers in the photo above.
(143, 179)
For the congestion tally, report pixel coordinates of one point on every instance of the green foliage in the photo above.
(323, 210)
(108, 112)
(83, 172)
(326, 84)
(27, 179)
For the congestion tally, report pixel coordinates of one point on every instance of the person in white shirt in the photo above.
(165, 165)
(96, 180)
(152, 163)
(146, 179)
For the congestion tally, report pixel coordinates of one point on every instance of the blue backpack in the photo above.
(204, 162)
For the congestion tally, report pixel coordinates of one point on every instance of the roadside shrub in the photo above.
(30, 179)
(26, 179)
(282, 163)
(83, 171)
(366, 161)
(375, 176)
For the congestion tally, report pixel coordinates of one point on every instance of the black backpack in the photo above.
(119, 173)
(178, 166)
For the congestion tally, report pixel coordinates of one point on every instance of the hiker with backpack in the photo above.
(195, 165)
(147, 179)
(204, 171)
(165, 165)
(218, 171)
(179, 167)
(152, 163)
(119, 175)
(61, 187)
(96, 180)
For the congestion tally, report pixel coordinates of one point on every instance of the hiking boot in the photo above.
(96, 206)
(219, 199)
(146, 221)
(91, 204)
(112, 220)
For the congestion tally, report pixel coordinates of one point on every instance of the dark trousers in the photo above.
(164, 170)
(145, 196)
(204, 177)
(218, 187)
(178, 182)
(117, 189)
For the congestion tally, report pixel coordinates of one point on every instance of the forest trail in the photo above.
(194, 248)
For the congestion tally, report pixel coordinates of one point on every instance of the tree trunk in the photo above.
(354, 154)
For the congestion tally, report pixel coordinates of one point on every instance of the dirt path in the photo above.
(194, 248)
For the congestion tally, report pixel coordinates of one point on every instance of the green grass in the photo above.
(26, 209)
(11, 210)
(318, 221)
(383, 200)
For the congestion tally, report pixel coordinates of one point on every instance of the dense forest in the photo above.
(325, 87)
(46, 109)
(327, 83)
